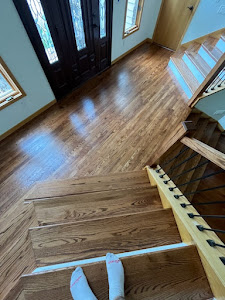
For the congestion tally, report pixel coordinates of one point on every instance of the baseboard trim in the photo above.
(31, 117)
(148, 40)
(201, 39)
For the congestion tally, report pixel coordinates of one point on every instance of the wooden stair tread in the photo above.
(212, 50)
(199, 62)
(73, 186)
(81, 240)
(199, 172)
(96, 205)
(175, 274)
(187, 75)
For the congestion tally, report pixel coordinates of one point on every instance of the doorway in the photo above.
(72, 38)
(173, 21)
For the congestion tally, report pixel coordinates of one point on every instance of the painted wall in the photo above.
(18, 53)
(212, 104)
(148, 21)
(208, 18)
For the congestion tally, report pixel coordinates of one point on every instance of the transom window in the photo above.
(132, 16)
(10, 90)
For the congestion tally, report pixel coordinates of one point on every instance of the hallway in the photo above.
(113, 123)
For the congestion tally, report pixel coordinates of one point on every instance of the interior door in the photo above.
(72, 38)
(172, 22)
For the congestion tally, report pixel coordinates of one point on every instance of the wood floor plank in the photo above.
(126, 180)
(73, 241)
(96, 205)
(146, 277)
(113, 123)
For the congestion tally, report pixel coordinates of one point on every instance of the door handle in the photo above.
(191, 7)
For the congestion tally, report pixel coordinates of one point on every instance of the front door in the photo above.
(173, 20)
(72, 38)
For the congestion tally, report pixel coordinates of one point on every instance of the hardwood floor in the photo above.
(113, 123)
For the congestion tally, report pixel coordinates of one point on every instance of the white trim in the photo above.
(102, 258)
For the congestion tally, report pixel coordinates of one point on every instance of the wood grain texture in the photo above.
(215, 156)
(113, 123)
(116, 181)
(172, 22)
(96, 205)
(73, 241)
(146, 277)
(210, 256)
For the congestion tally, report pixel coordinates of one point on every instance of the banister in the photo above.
(181, 130)
(208, 80)
(215, 156)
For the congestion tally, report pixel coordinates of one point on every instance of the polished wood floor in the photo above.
(113, 123)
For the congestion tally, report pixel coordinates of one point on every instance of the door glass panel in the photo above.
(43, 29)
(102, 15)
(78, 25)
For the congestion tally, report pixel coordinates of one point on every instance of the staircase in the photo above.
(192, 65)
(80, 220)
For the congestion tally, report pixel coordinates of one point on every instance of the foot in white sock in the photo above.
(115, 276)
(79, 287)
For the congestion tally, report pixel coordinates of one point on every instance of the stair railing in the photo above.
(194, 155)
(215, 79)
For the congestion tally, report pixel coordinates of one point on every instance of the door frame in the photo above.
(186, 28)
(34, 37)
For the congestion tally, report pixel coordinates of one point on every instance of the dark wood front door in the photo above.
(72, 38)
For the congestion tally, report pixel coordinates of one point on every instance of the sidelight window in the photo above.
(9, 87)
(132, 16)
(43, 29)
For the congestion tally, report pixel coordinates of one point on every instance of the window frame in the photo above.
(17, 92)
(136, 27)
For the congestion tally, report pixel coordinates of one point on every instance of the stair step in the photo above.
(96, 205)
(210, 46)
(207, 56)
(74, 186)
(221, 45)
(193, 68)
(199, 62)
(55, 244)
(173, 274)
(186, 73)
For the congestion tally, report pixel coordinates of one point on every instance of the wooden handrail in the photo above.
(182, 129)
(208, 80)
(215, 156)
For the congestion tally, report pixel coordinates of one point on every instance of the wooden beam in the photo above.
(210, 256)
(215, 156)
(208, 80)
(182, 129)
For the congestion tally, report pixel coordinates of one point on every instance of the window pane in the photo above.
(43, 29)
(5, 88)
(78, 24)
(131, 16)
(102, 14)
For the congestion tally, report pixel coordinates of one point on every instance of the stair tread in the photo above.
(212, 49)
(87, 239)
(187, 75)
(97, 205)
(178, 274)
(74, 186)
(200, 63)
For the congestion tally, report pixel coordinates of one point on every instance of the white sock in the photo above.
(79, 287)
(115, 276)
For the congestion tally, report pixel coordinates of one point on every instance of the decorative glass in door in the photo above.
(102, 15)
(43, 29)
(78, 24)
